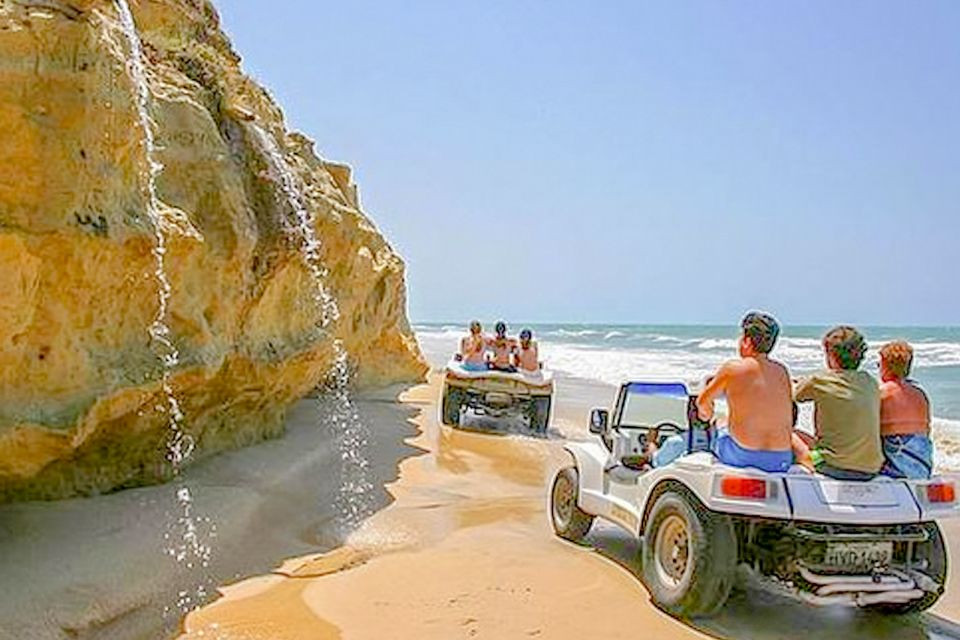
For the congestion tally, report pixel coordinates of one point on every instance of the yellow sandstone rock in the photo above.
(80, 395)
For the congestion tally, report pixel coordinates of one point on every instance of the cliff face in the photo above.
(81, 404)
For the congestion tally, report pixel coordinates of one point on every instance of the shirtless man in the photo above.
(904, 416)
(472, 349)
(503, 349)
(527, 357)
(760, 432)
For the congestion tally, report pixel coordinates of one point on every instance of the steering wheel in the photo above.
(664, 430)
(669, 426)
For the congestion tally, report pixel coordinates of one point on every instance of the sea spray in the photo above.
(353, 501)
(186, 539)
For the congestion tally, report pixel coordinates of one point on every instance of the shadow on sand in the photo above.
(753, 612)
(97, 568)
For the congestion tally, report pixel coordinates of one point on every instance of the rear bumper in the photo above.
(513, 384)
(802, 497)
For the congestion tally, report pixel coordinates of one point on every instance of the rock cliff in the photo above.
(81, 404)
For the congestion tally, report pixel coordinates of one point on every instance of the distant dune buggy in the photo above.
(498, 394)
(869, 544)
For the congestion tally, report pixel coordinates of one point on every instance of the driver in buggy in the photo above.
(760, 397)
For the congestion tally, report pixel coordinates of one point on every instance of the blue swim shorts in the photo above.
(731, 453)
(907, 456)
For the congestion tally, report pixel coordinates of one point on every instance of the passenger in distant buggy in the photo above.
(527, 355)
(473, 349)
(504, 349)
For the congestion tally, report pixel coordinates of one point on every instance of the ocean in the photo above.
(613, 353)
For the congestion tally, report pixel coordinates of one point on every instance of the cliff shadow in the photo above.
(102, 567)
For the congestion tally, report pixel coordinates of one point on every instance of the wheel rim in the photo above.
(672, 552)
(563, 500)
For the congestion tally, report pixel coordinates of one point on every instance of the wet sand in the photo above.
(96, 568)
(466, 551)
(463, 550)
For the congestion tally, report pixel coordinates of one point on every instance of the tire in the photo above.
(539, 414)
(569, 520)
(689, 556)
(934, 551)
(450, 407)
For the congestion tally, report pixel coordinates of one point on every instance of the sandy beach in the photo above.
(99, 567)
(465, 551)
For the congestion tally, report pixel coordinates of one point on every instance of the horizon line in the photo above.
(695, 324)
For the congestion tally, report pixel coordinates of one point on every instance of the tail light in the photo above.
(941, 492)
(744, 488)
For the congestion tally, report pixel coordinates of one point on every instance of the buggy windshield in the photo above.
(647, 404)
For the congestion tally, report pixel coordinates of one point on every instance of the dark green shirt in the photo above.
(847, 416)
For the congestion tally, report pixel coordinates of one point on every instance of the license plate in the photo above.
(858, 555)
(857, 493)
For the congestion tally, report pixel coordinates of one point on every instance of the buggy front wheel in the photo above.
(568, 519)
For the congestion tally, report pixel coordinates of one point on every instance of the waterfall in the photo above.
(353, 494)
(186, 544)
(180, 443)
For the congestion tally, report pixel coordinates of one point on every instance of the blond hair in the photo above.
(897, 357)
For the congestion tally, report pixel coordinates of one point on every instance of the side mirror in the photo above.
(598, 421)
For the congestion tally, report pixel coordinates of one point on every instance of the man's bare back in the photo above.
(760, 399)
(904, 409)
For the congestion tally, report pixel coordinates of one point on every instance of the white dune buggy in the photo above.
(868, 544)
(499, 394)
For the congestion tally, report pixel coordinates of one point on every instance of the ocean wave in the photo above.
(802, 352)
(946, 438)
(578, 333)
(672, 339)
(616, 365)
(727, 344)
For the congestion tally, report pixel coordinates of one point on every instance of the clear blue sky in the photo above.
(639, 161)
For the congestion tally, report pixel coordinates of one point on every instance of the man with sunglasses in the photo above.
(503, 348)
(527, 357)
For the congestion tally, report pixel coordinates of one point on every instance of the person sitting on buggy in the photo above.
(847, 411)
(760, 426)
(473, 349)
(904, 416)
(503, 349)
(527, 356)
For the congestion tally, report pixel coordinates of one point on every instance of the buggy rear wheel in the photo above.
(450, 406)
(568, 519)
(689, 556)
(539, 414)
(934, 553)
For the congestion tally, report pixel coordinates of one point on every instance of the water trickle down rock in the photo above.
(353, 501)
(79, 380)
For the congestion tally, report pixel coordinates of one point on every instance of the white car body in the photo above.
(820, 522)
(797, 495)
